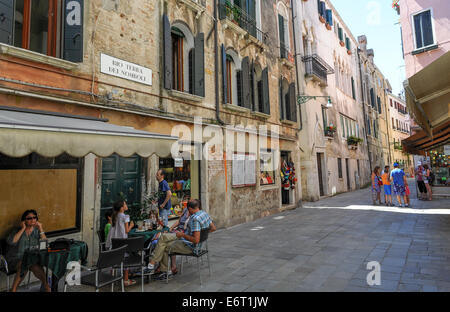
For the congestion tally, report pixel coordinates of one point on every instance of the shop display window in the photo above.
(267, 167)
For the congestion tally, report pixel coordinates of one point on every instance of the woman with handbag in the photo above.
(376, 186)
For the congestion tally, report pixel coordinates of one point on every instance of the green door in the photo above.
(120, 175)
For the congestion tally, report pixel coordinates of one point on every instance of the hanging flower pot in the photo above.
(328, 26)
(322, 19)
(349, 52)
(342, 43)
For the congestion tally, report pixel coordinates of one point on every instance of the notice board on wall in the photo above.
(243, 170)
(51, 192)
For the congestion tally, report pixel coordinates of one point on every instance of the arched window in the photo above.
(184, 61)
(283, 30)
(182, 58)
(234, 78)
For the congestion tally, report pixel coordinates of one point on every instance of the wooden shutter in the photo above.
(199, 65)
(323, 8)
(167, 51)
(239, 88)
(252, 87)
(222, 9)
(353, 89)
(73, 30)
(6, 21)
(265, 84)
(281, 29)
(281, 99)
(340, 33)
(329, 16)
(224, 75)
(246, 83)
(292, 103)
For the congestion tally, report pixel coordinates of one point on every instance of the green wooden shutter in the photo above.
(167, 48)
(224, 75)
(292, 103)
(353, 89)
(246, 83)
(199, 65)
(341, 34)
(6, 21)
(73, 30)
(265, 85)
(222, 9)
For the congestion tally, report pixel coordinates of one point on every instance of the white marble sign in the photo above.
(126, 70)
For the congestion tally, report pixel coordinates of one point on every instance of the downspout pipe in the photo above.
(216, 65)
(364, 109)
(388, 122)
(294, 17)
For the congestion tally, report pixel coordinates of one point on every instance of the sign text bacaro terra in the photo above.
(126, 70)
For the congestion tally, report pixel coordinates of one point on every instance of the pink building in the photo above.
(425, 32)
(425, 26)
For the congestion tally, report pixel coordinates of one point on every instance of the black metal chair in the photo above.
(136, 254)
(199, 254)
(97, 277)
(101, 240)
(5, 269)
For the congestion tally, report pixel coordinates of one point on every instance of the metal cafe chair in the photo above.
(97, 276)
(203, 251)
(136, 254)
(101, 240)
(5, 269)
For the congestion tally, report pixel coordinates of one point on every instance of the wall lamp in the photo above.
(302, 99)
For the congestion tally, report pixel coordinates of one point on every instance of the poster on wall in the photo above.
(238, 171)
(250, 169)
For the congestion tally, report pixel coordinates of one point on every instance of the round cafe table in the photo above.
(147, 234)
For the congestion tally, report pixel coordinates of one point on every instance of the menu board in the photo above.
(244, 170)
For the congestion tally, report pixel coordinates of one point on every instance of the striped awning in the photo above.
(23, 132)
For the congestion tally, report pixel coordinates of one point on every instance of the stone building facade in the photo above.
(332, 111)
(218, 62)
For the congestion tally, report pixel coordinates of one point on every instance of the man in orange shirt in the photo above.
(387, 186)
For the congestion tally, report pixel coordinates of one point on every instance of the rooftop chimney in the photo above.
(362, 41)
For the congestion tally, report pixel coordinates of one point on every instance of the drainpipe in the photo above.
(294, 17)
(388, 122)
(216, 66)
(364, 108)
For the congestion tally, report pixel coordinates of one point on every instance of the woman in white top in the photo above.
(120, 228)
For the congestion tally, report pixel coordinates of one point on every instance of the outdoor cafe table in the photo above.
(147, 234)
(56, 261)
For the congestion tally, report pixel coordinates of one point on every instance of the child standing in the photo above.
(387, 186)
(108, 217)
(121, 225)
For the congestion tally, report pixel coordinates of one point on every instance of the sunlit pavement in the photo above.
(325, 246)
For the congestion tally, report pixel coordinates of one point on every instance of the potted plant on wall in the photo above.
(328, 26)
(322, 19)
(353, 142)
(330, 131)
(342, 43)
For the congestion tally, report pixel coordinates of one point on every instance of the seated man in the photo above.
(179, 242)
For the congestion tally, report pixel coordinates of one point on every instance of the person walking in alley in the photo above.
(428, 181)
(398, 178)
(420, 183)
(164, 202)
(376, 185)
(387, 186)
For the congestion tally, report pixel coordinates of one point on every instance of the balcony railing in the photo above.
(315, 66)
(241, 18)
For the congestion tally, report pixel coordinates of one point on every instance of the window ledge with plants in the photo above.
(353, 142)
(330, 132)
(186, 96)
(36, 57)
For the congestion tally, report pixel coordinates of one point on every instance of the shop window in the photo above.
(183, 177)
(57, 201)
(267, 167)
(423, 29)
(44, 27)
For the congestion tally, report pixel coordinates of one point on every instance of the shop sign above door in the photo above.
(126, 70)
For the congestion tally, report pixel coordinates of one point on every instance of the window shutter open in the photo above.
(239, 88)
(222, 9)
(340, 33)
(323, 8)
(292, 103)
(265, 85)
(281, 29)
(329, 16)
(246, 83)
(73, 30)
(282, 99)
(167, 46)
(199, 65)
(224, 75)
(252, 87)
(6, 21)
(353, 89)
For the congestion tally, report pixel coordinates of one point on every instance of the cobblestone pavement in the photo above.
(325, 246)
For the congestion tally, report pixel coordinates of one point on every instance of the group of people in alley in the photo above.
(395, 183)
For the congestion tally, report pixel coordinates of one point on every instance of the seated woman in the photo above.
(23, 238)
